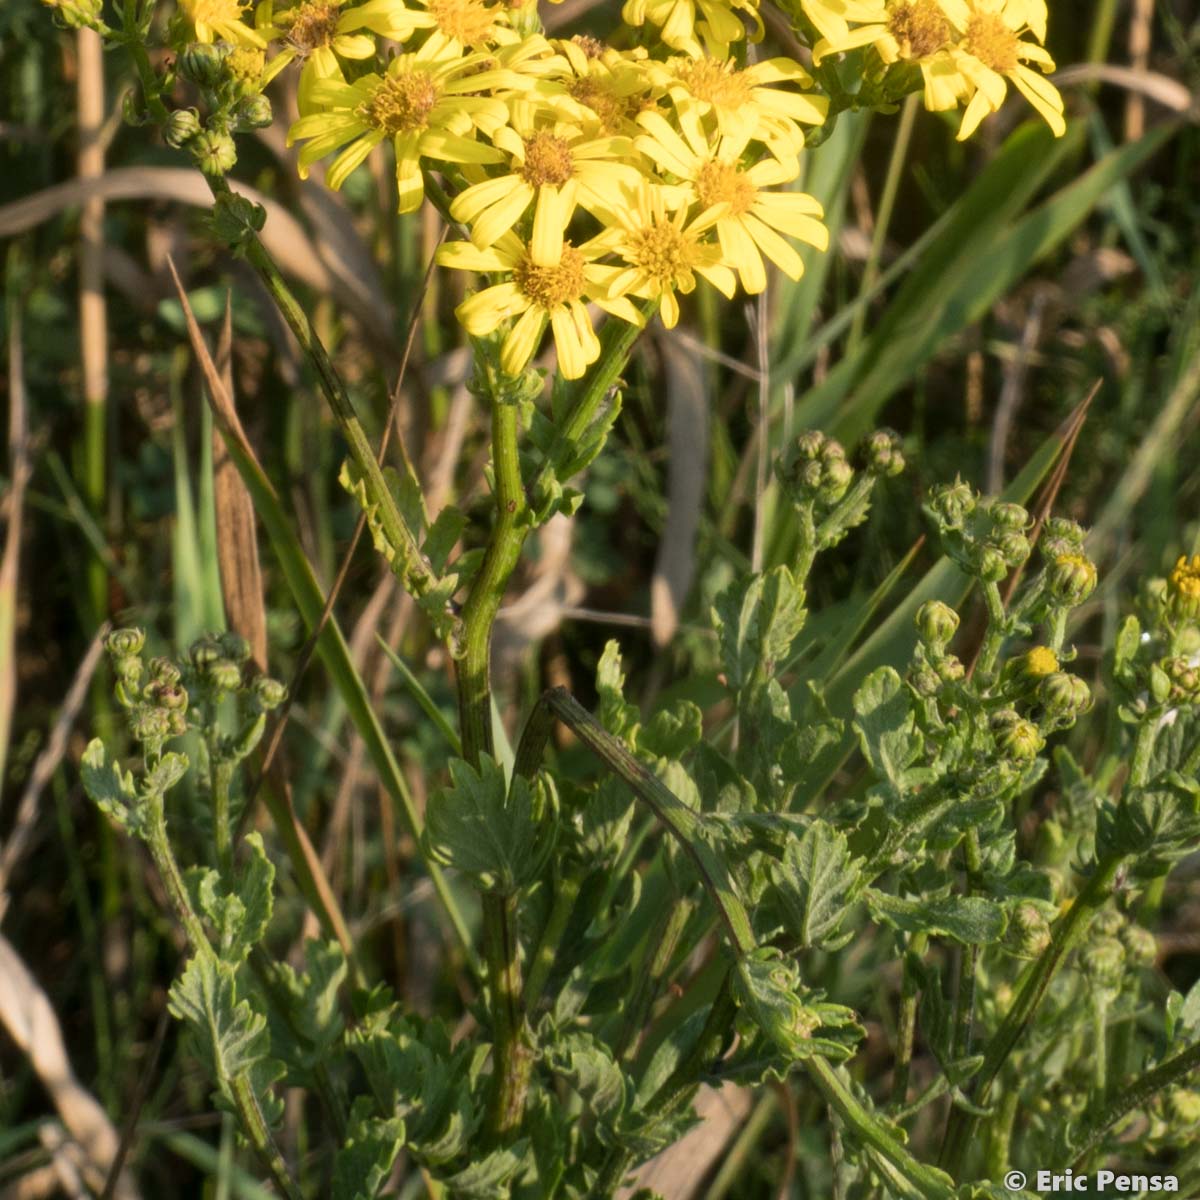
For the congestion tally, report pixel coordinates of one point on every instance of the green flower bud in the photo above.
(1028, 931)
(1183, 589)
(1107, 923)
(951, 504)
(150, 725)
(925, 681)
(1072, 578)
(234, 646)
(269, 693)
(254, 113)
(836, 480)
(167, 695)
(814, 468)
(1183, 1106)
(204, 652)
(1060, 536)
(1182, 680)
(128, 670)
(77, 14)
(215, 153)
(937, 623)
(1010, 517)
(244, 67)
(989, 564)
(951, 669)
(182, 126)
(224, 675)
(882, 454)
(164, 671)
(1014, 546)
(1063, 695)
(1103, 962)
(202, 63)
(1141, 948)
(125, 643)
(1016, 737)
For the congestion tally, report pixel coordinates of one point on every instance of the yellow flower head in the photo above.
(603, 88)
(221, 20)
(315, 33)
(749, 218)
(1040, 661)
(424, 104)
(663, 252)
(744, 104)
(553, 166)
(473, 24)
(679, 21)
(991, 49)
(538, 296)
(1183, 588)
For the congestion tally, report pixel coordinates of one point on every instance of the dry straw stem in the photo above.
(27, 1015)
(285, 238)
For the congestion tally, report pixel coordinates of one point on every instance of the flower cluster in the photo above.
(968, 51)
(590, 177)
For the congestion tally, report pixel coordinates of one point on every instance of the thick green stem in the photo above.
(664, 939)
(907, 1025)
(1000, 1133)
(566, 892)
(1069, 929)
(512, 1055)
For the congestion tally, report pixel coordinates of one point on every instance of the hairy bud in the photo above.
(1015, 736)
(125, 643)
(1072, 578)
(269, 693)
(937, 623)
(951, 504)
(215, 153)
(882, 454)
(183, 125)
(1028, 931)
(202, 64)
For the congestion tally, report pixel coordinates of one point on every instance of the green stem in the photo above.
(968, 958)
(1136, 1095)
(664, 939)
(1068, 931)
(512, 1055)
(1099, 1044)
(993, 639)
(1143, 748)
(566, 892)
(906, 1032)
(883, 217)
(1000, 1133)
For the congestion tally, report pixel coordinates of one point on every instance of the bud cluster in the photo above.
(986, 538)
(814, 470)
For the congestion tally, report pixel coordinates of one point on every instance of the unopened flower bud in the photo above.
(224, 675)
(1183, 589)
(937, 623)
(814, 469)
(255, 113)
(77, 14)
(202, 63)
(1010, 517)
(1028, 931)
(234, 646)
(1060, 536)
(167, 695)
(951, 668)
(1014, 546)
(269, 693)
(182, 126)
(989, 564)
(1063, 695)
(124, 643)
(1141, 948)
(1015, 736)
(1182, 681)
(128, 670)
(204, 652)
(882, 454)
(952, 503)
(163, 671)
(925, 681)
(1037, 663)
(215, 153)
(1072, 578)
(1107, 923)
(151, 725)
(1103, 962)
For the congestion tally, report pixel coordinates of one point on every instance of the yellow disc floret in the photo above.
(1183, 588)
(720, 182)
(312, 25)
(548, 160)
(920, 28)
(402, 103)
(1040, 661)
(470, 22)
(716, 82)
(550, 287)
(991, 41)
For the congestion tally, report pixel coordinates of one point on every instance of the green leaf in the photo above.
(314, 1021)
(602, 823)
(672, 732)
(972, 920)
(364, 1163)
(1155, 826)
(816, 883)
(499, 834)
(488, 1177)
(886, 727)
(616, 715)
(757, 619)
(227, 1035)
(588, 1067)
(112, 790)
(165, 774)
(443, 537)
(240, 919)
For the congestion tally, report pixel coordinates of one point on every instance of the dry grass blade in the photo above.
(47, 763)
(237, 540)
(687, 439)
(26, 1012)
(1162, 89)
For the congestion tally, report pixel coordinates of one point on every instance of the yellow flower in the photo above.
(744, 104)
(832, 17)
(221, 20)
(992, 50)
(317, 33)
(1183, 588)
(554, 167)
(539, 296)
(461, 23)
(663, 252)
(717, 22)
(750, 219)
(422, 103)
(603, 87)
(916, 31)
